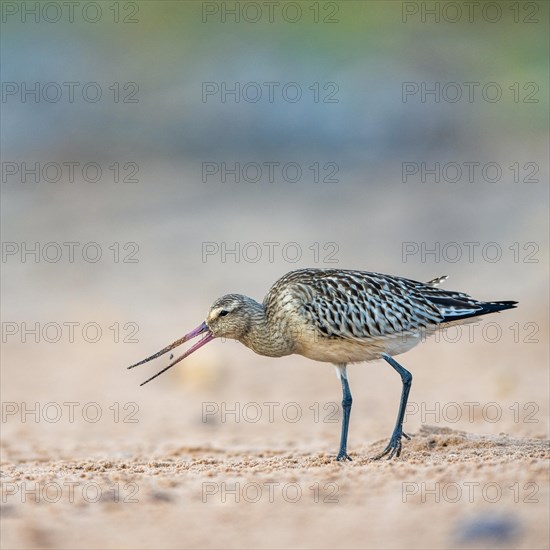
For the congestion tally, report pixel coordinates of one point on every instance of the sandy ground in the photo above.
(477, 492)
(196, 460)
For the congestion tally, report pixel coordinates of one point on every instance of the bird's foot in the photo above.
(393, 448)
(343, 456)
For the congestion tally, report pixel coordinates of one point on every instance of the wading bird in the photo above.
(339, 317)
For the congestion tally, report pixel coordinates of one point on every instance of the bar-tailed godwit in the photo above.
(339, 316)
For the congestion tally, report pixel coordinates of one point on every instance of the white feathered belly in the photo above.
(340, 350)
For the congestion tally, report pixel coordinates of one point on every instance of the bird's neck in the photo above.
(264, 336)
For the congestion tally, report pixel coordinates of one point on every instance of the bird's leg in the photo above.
(346, 407)
(394, 446)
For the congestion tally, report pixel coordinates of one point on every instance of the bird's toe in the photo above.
(393, 448)
(343, 457)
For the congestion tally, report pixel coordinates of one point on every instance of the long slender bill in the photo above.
(208, 338)
(199, 330)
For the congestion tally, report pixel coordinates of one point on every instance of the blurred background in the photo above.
(157, 155)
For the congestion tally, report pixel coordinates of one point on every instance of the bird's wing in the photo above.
(361, 304)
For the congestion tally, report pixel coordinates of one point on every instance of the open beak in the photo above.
(203, 328)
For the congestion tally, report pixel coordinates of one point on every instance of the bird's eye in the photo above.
(223, 313)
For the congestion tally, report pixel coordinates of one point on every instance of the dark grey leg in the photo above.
(346, 408)
(394, 446)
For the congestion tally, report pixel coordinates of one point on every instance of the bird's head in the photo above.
(229, 317)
